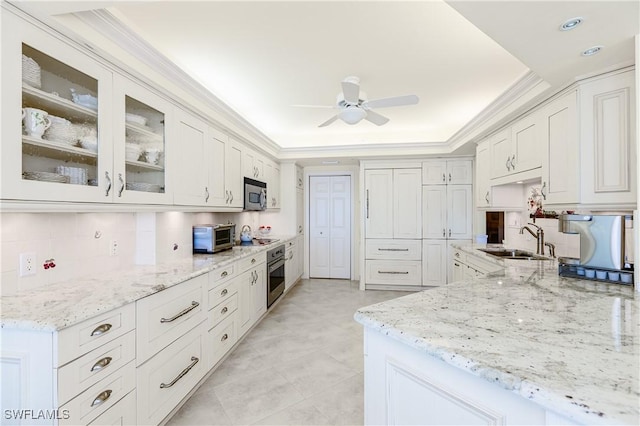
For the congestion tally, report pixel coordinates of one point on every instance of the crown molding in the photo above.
(111, 27)
(364, 151)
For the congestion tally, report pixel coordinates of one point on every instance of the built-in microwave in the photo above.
(255, 194)
(213, 238)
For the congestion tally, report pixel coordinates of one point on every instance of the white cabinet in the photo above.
(447, 172)
(483, 175)
(517, 148)
(434, 262)
(253, 165)
(300, 263)
(447, 211)
(299, 211)
(233, 179)
(607, 140)
(272, 172)
(252, 294)
(143, 139)
(69, 370)
(223, 173)
(560, 174)
(190, 188)
(393, 203)
(49, 165)
(291, 264)
(299, 177)
(407, 386)
(393, 262)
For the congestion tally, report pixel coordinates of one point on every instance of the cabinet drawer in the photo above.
(459, 255)
(222, 310)
(398, 272)
(221, 292)
(122, 413)
(251, 261)
(89, 369)
(100, 397)
(394, 249)
(219, 275)
(221, 338)
(169, 376)
(165, 316)
(483, 267)
(84, 337)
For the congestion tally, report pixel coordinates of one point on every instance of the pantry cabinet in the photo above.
(393, 203)
(447, 211)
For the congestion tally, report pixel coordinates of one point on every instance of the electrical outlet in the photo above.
(113, 248)
(27, 264)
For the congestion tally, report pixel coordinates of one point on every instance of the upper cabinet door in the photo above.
(52, 97)
(459, 172)
(501, 154)
(215, 154)
(233, 178)
(434, 172)
(142, 123)
(483, 184)
(407, 203)
(190, 186)
(378, 203)
(527, 151)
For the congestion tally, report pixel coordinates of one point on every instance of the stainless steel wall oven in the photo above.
(275, 274)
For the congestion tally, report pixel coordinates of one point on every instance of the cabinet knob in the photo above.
(224, 292)
(102, 397)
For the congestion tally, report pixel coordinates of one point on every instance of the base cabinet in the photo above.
(434, 262)
(404, 386)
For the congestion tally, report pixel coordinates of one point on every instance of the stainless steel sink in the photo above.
(513, 254)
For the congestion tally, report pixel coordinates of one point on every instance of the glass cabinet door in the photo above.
(141, 118)
(57, 149)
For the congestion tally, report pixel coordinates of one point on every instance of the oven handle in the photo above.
(275, 265)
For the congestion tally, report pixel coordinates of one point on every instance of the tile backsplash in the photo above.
(81, 243)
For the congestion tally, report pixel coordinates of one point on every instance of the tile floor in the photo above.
(302, 365)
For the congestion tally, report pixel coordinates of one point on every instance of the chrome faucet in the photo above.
(539, 234)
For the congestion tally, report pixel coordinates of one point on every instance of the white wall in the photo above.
(80, 243)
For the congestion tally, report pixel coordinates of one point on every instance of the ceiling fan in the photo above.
(354, 106)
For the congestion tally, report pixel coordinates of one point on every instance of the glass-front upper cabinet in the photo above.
(142, 123)
(56, 141)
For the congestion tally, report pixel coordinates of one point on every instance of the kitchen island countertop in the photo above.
(571, 346)
(62, 305)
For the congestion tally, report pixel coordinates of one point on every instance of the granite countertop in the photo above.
(64, 304)
(569, 345)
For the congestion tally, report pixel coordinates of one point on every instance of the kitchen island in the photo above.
(519, 346)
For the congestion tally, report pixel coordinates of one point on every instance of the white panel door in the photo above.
(379, 203)
(434, 211)
(434, 262)
(407, 203)
(330, 227)
(214, 156)
(191, 186)
(459, 211)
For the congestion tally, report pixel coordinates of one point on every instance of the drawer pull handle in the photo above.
(101, 329)
(392, 249)
(224, 310)
(253, 260)
(102, 397)
(394, 272)
(194, 361)
(225, 336)
(224, 292)
(101, 364)
(194, 305)
(457, 254)
(224, 274)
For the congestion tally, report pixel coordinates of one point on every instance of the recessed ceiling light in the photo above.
(592, 50)
(570, 24)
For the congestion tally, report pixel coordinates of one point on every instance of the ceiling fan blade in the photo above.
(329, 121)
(376, 118)
(391, 102)
(315, 106)
(351, 92)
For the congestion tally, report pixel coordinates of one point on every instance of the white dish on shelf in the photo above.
(132, 151)
(31, 72)
(89, 144)
(61, 130)
(136, 119)
(85, 100)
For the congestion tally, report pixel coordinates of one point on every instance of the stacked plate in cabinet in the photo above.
(76, 175)
(31, 72)
(61, 130)
(45, 177)
(142, 186)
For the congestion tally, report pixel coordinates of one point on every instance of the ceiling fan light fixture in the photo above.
(352, 115)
